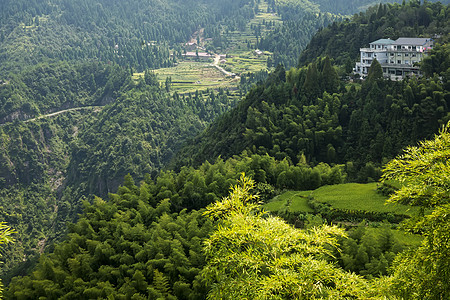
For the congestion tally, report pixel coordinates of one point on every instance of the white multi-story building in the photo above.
(378, 50)
(397, 58)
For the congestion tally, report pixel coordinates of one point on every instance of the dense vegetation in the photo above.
(34, 158)
(295, 130)
(5, 238)
(307, 114)
(47, 87)
(133, 246)
(147, 122)
(50, 163)
(150, 218)
(133, 33)
(423, 172)
(288, 40)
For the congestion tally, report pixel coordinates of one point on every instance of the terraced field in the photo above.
(190, 76)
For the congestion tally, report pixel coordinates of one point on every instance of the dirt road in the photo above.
(216, 64)
(63, 111)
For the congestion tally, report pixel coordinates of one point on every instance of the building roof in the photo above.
(200, 54)
(383, 42)
(412, 41)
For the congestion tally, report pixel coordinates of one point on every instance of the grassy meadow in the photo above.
(356, 196)
(294, 201)
(350, 196)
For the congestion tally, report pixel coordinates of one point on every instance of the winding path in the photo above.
(63, 111)
(216, 64)
(58, 113)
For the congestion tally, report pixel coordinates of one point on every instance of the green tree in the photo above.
(330, 78)
(375, 71)
(5, 238)
(424, 173)
(254, 256)
(311, 84)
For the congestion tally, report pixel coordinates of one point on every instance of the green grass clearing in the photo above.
(355, 196)
(406, 238)
(350, 196)
(295, 200)
(246, 62)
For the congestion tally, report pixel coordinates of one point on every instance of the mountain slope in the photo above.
(309, 111)
(342, 41)
(134, 33)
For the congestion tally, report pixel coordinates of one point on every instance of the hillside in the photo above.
(134, 34)
(342, 41)
(51, 163)
(82, 107)
(311, 114)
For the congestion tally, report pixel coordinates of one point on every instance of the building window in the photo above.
(413, 55)
(392, 54)
(406, 54)
(399, 61)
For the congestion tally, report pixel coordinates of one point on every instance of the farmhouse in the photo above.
(190, 46)
(398, 58)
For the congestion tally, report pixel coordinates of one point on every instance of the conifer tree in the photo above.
(375, 71)
(330, 78)
(311, 86)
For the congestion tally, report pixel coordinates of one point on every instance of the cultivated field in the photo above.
(349, 196)
(355, 196)
(190, 76)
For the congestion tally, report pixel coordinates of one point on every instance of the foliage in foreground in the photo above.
(142, 235)
(424, 172)
(5, 238)
(254, 256)
(134, 246)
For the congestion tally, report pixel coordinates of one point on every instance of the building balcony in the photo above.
(407, 50)
(401, 66)
(372, 50)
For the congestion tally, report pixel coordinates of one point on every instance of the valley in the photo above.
(148, 149)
